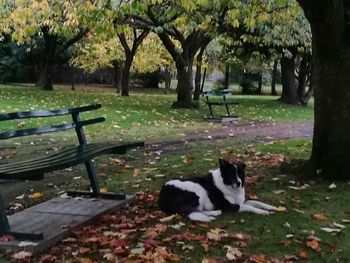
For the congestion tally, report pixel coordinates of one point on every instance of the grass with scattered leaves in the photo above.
(141, 234)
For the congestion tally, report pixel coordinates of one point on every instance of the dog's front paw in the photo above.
(263, 212)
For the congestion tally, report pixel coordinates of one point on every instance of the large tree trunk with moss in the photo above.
(289, 92)
(331, 81)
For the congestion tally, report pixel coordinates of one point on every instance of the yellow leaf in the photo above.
(281, 209)
(36, 195)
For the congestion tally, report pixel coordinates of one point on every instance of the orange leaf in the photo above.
(319, 217)
(208, 260)
(285, 242)
(102, 174)
(313, 244)
(86, 260)
(103, 190)
(302, 254)
(84, 250)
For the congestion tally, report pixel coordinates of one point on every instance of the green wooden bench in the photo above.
(211, 99)
(35, 168)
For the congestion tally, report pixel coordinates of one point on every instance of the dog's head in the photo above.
(232, 173)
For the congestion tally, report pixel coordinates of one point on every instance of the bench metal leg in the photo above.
(90, 168)
(210, 111)
(6, 230)
(227, 110)
(4, 223)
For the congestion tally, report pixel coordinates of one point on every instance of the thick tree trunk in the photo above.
(126, 75)
(198, 76)
(227, 76)
(289, 94)
(303, 77)
(184, 86)
(45, 78)
(117, 75)
(274, 77)
(259, 89)
(331, 81)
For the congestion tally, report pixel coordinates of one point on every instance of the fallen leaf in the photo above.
(332, 186)
(83, 250)
(103, 190)
(110, 257)
(47, 259)
(36, 195)
(319, 217)
(233, 253)
(285, 242)
(7, 238)
(338, 225)
(281, 209)
(313, 244)
(302, 254)
(330, 230)
(21, 255)
(20, 197)
(208, 260)
(86, 260)
(167, 219)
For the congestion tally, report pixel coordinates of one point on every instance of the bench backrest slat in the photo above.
(46, 113)
(47, 129)
(77, 123)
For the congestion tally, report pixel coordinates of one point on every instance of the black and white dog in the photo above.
(204, 198)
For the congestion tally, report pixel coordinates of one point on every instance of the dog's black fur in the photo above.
(203, 198)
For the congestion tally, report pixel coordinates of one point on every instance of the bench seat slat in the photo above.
(79, 154)
(62, 156)
(222, 102)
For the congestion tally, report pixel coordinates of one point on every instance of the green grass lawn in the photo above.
(141, 116)
(150, 118)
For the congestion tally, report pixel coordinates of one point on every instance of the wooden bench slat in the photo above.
(45, 164)
(38, 130)
(48, 129)
(68, 153)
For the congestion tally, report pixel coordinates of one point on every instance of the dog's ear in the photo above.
(243, 166)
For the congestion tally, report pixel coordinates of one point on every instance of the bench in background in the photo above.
(212, 100)
(34, 168)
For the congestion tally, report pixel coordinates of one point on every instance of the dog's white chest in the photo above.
(237, 196)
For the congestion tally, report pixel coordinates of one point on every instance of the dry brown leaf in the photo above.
(83, 250)
(21, 255)
(302, 254)
(208, 260)
(313, 244)
(319, 217)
